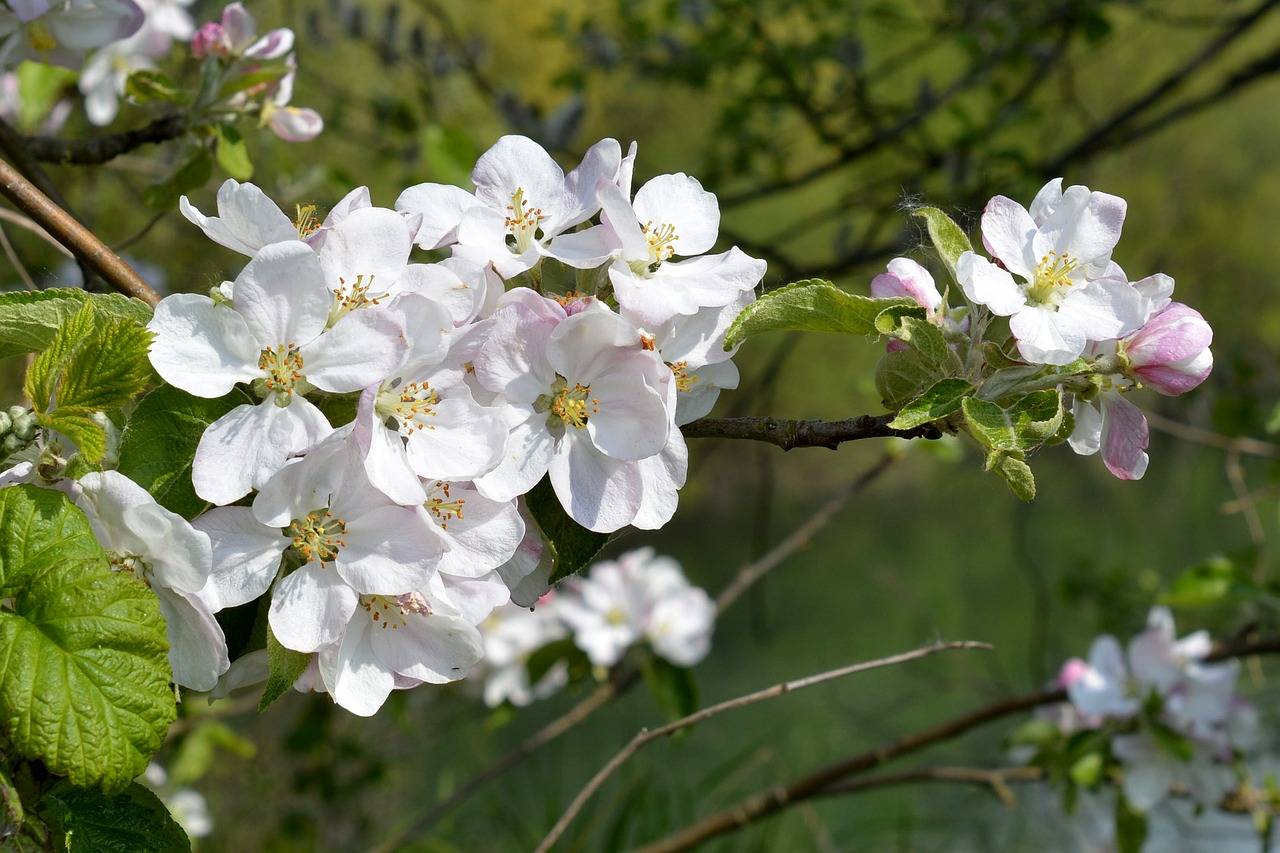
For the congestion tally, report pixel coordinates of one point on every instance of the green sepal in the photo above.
(948, 238)
(573, 545)
(159, 444)
(29, 320)
(997, 359)
(1012, 466)
(811, 306)
(90, 821)
(903, 375)
(674, 687)
(942, 400)
(84, 682)
(284, 667)
(233, 152)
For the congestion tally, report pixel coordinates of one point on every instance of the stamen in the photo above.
(318, 536)
(283, 366)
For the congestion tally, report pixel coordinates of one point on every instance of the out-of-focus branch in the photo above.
(646, 736)
(80, 240)
(789, 434)
(102, 149)
(997, 779)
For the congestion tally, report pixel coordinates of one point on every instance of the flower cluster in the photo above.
(382, 543)
(1176, 721)
(102, 82)
(60, 32)
(639, 598)
(1071, 309)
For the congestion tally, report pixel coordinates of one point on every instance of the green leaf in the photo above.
(541, 661)
(948, 238)
(1028, 423)
(1210, 583)
(106, 369)
(40, 87)
(233, 153)
(46, 370)
(84, 682)
(811, 306)
(998, 359)
(1172, 743)
(89, 435)
(1087, 771)
(13, 815)
(191, 172)
(1041, 733)
(159, 443)
(940, 401)
(284, 667)
(90, 821)
(145, 86)
(1015, 471)
(1131, 826)
(902, 376)
(673, 686)
(573, 545)
(914, 330)
(29, 320)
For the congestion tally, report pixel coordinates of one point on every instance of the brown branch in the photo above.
(789, 434)
(646, 736)
(827, 779)
(102, 149)
(1233, 444)
(80, 240)
(996, 779)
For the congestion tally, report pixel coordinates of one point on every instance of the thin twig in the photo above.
(80, 240)
(16, 261)
(789, 434)
(646, 736)
(996, 779)
(25, 222)
(1239, 444)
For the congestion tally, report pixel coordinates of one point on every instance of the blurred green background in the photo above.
(816, 122)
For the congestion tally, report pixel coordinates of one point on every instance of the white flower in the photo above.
(511, 636)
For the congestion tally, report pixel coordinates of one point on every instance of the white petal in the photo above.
(390, 550)
(598, 492)
(201, 347)
(197, 646)
(282, 296)
(441, 207)
(679, 200)
(244, 447)
(245, 556)
(362, 349)
(310, 608)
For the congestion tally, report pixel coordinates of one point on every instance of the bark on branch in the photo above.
(788, 434)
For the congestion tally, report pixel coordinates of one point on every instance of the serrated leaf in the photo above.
(233, 153)
(89, 821)
(913, 329)
(948, 238)
(673, 686)
(159, 443)
(810, 306)
(84, 681)
(88, 434)
(1015, 472)
(108, 369)
(192, 172)
(145, 85)
(46, 370)
(30, 319)
(284, 667)
(573, 545)
(903, 375)
(942, 400)
(1028, 423)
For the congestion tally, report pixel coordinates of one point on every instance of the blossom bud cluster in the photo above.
(1177, 721)
(17, 429)
(382, 543)
(639, 598)
(1052, 276)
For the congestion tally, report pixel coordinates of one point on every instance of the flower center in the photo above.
(405, 407)
(684, 382)
(349, 296)
(1052, 279)
(283, 366)
(306, 221)
(41, 39)
(318, 536)
(390, 611)
(441, 506)
(661, 239)
(567, 406)
(131, 564)
(522, 221)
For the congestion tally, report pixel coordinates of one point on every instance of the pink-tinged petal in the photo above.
(708, 381)
(247, 219)
(197, 646)
(273, 45)
(598, 492)
(295, 124)
(441, 207)
(282, 296)
(1171, 352)
(354, 676)
(1124, 438)
(238, 23)
(1086, 438)
(524, 460)
(310, 608)
(390, 550)
(663, 477)
(202, 347)
(680, 201)
(1043, 339)
(245, 556)
(986, 284)
(600, 163)
(363, 348)
(1102, 309)
(1156, 289)
(907, 278)
(244, 447)
(1045, 201)
(513, 360)
(517, 163)
(1008, 233)
(435, 649)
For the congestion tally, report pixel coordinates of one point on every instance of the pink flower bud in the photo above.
(211, 39)
(1071, 672)
(907, 278)
(1171, 351)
